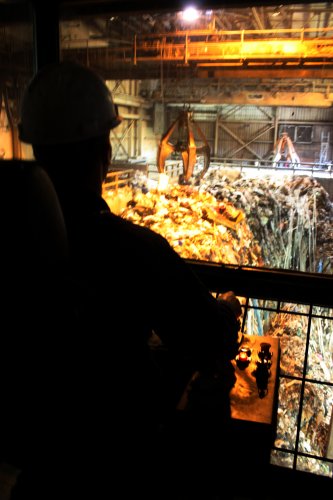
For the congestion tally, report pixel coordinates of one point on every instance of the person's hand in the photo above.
(231, 299)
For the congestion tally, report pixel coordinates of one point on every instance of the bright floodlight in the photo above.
(190, 14)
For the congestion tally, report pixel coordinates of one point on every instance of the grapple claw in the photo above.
(185, 145)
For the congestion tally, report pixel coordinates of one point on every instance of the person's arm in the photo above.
(186, 314)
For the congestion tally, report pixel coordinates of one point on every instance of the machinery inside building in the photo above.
(225, 148)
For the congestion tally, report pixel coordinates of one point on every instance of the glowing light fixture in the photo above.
(291, 47)
(190, 14)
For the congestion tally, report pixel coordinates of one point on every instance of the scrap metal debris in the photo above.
(290, 217)
(196, 224)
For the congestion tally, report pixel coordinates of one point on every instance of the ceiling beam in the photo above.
(308, 99)
(243, 72)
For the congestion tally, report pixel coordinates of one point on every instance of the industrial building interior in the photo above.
(234, 104)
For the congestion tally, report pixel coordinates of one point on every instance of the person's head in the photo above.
(67, 113)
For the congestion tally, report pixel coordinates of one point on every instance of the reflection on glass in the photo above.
(315, 434)
(307, 464)
(282, 459)
(292, 307)
(322, 311)
(291, 330)
(288, 408)
(259, 321)
(263, 303)
(315, 425)
(320, 357)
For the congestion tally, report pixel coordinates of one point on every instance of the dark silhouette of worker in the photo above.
(148, 321)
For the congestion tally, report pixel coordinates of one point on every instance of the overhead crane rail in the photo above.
(306, 49)
(308, 44)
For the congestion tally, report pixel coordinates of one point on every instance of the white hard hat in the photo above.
(64, 103)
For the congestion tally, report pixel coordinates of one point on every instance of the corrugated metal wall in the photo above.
(251, 132)
(243, 132)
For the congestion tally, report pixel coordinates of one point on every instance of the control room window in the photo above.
(248, 209)
(301, 134)
(166, 72)
(304, 134)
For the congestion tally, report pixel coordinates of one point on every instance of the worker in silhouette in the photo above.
(150, 321)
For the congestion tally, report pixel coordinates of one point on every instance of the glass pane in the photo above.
(288, 409)
(314, 466)
(291, 330)
(320, 356)
(259, 322)
(263, 303)
(282, 459)
(16, 48)
(292, 307)
(322, 311)
(154, 62)
(316, 424)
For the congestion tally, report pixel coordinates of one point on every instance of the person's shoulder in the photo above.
(127, 229)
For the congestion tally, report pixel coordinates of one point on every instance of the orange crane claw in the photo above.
(185, 145)
(285, 148)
